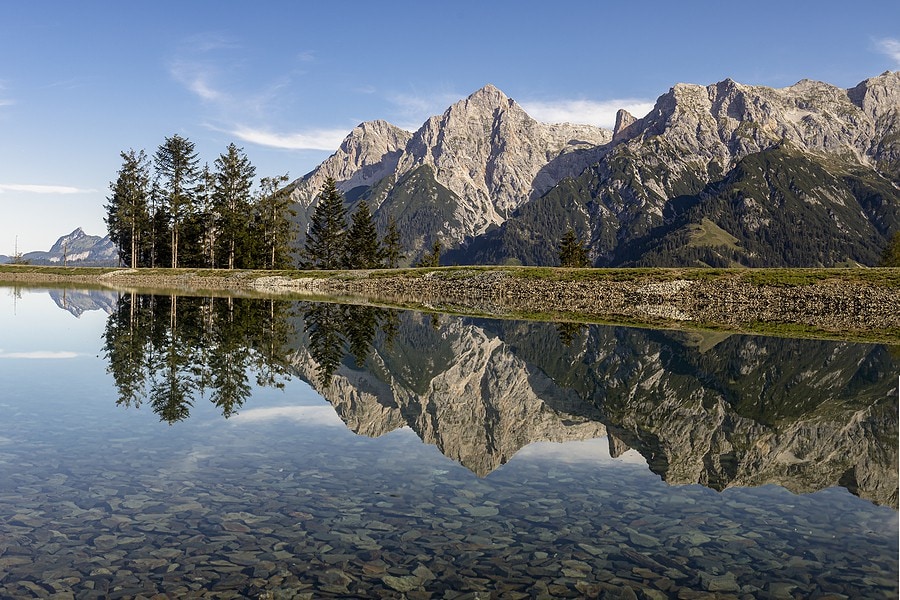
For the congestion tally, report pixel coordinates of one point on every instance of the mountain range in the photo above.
(74, 249)
(722, 175)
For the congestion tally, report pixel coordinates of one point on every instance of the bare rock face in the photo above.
(726, 121)
(488, 151)
(369, 153)
(624, 120)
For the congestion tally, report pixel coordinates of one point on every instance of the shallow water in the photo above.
(206, 448)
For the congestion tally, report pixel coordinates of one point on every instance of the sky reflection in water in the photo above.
(283, 498)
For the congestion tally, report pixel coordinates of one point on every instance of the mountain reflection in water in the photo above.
(708, 408)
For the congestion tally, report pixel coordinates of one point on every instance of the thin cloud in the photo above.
(39, 355)
(890, 48)
(42, 189)
(593, 451)
(586, 112)
(307, 415)
(197, 78)
(316, 139)
(4, 100)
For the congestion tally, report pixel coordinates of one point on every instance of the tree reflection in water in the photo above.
(167, 350)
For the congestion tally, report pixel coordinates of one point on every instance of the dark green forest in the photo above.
(168, 211)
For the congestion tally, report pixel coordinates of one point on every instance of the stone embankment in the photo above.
(733, 301)
(830, 305)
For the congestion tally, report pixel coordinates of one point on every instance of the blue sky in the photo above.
(82, 81)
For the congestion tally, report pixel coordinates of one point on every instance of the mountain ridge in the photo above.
(76, 248)
(496, 186)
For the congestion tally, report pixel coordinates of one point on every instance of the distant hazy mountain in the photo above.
(76, 248)
(725, 174)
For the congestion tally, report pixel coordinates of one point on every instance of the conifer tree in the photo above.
(433, 258)
(891, 255)
(572, 252)
(206, 216)
(361, 249)
(176, 167)
(234, 179)
(127, 211)
(273, 223)
(390, 246)
(325, 239)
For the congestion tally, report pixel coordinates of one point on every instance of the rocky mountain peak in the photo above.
(489, 96)
(728, 120)
(624, 120)
(368, 153)
(68, 241)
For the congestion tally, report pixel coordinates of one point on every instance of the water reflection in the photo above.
(170, 350)
(281, 499)
(715, 409)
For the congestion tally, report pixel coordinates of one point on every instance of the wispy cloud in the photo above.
(594, 450)
(308, 415)
(197, 78)
(4, 99)
(316, 139)
(586, 112)
(42, 189)
(38, 355)
(891, 48)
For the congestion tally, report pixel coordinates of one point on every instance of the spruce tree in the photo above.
(390, 246)
(433, 258)
(273, 224)
(891, 255)
(127, 212)
(176, 167)
(234, 179)
(206, 216)
(325, 239)
(572, 252)
(362, 250)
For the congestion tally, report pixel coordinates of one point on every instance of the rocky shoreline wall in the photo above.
(732, 302)
(833, 306)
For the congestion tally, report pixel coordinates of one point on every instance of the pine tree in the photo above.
(275, 229)
(390, 246)
(325, 239)
(891, 255)
(572, 252)
(234, 179)
(433, 258)
(176, 166)
(127, 213)
(361, 249)
(206, 215)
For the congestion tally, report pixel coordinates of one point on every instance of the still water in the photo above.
(235, 448)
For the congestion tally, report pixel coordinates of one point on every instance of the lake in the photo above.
(245, 448)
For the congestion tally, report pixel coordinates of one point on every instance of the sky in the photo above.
(80, 82)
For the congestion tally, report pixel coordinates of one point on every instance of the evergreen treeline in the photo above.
(333, 244)
(167, 211)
